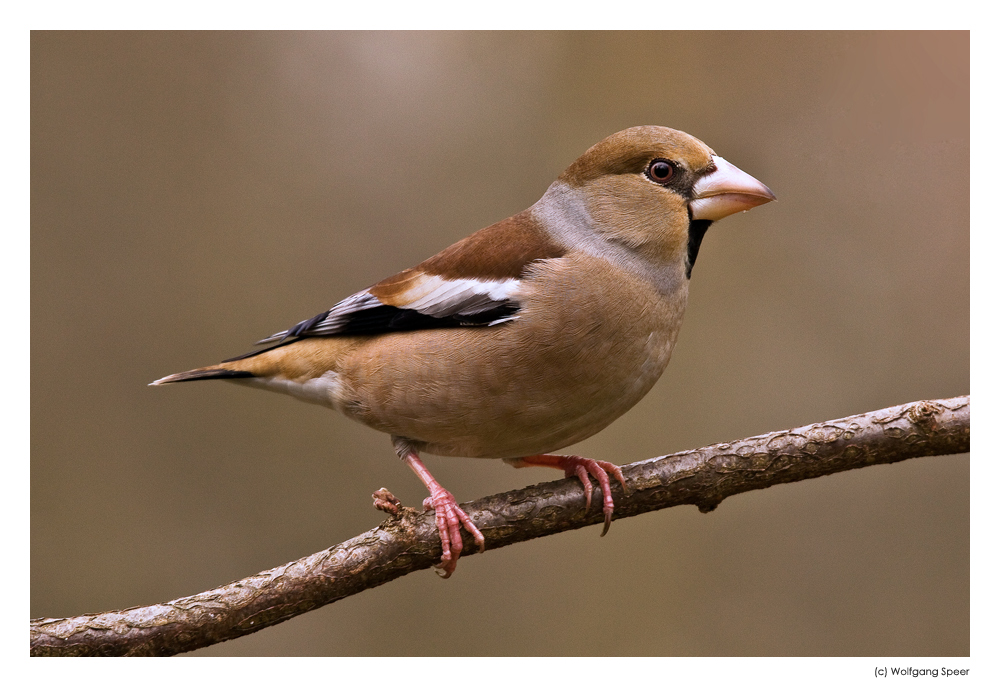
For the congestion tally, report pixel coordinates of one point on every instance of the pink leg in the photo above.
(449, 517)
(581, 467)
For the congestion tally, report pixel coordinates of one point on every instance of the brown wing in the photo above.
(472, 282)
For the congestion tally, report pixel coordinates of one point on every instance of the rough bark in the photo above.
(409, 541)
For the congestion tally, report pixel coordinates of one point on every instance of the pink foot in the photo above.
(581, 467)
(450, 520)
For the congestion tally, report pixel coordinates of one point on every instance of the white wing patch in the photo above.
(440, 297)
(429, 295)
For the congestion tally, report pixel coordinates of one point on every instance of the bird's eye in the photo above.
(660, 170)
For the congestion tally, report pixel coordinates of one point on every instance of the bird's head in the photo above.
(654, 190)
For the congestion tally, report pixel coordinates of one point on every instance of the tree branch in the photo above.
(409, 541)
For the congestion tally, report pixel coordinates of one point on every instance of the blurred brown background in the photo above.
(193, 192)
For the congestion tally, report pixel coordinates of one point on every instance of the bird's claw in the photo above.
(598, 469)
(450, 520)
(583, 469)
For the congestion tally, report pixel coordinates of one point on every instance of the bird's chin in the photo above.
(716, 207)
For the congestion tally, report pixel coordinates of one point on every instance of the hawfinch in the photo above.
(527, 336)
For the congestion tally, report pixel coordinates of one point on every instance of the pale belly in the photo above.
(534, 385)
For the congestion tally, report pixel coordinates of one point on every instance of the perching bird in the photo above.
(527, 336)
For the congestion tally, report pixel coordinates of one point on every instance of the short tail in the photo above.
(214, 372)
(296, 359)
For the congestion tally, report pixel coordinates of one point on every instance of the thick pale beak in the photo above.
(727, 190)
